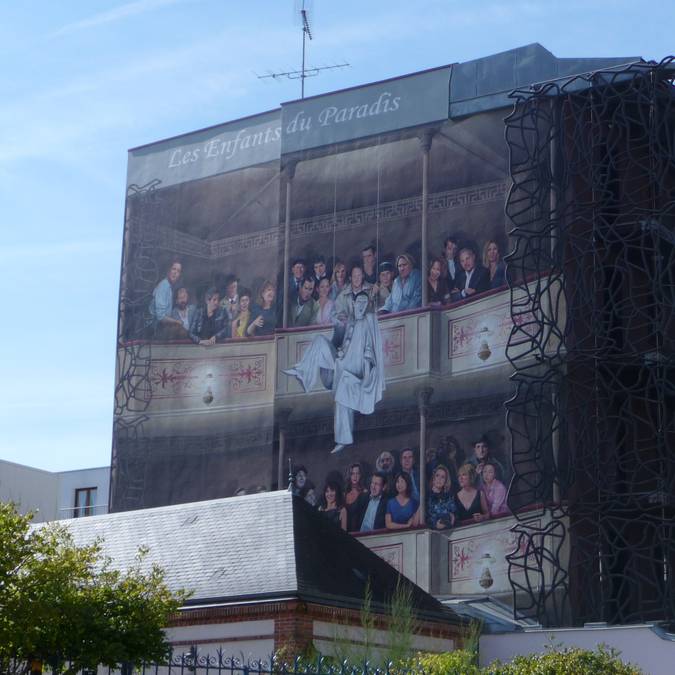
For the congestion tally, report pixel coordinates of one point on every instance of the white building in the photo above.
(55, 495)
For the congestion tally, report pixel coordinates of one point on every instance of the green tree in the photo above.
(66, 605)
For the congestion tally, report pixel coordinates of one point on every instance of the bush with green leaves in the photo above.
(570, 661)
(459, 662)
(62, 603)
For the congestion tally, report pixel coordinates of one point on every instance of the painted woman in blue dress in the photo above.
(403, 509)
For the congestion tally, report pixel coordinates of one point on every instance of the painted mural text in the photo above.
(224, 147)
(385, 103)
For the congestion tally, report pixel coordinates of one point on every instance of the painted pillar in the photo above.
(423, 399)
(282, 420)
(290, 174)
(425, 143)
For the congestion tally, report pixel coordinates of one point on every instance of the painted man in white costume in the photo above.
(354, 372)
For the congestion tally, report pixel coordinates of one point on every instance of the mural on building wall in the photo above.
(194, 401)
(312, 301)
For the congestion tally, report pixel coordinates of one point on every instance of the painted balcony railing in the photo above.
(241, 376)
(470, 559)
(180, 385)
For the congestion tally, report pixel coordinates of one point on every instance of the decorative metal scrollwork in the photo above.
(592, 421)
(139, 275)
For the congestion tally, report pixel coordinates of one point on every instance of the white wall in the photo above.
(332, 639)
(253, 640)
(638, 644)
(32, 489)
(51, 495)
(69, 481)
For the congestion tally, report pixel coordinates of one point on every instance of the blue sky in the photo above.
(83, 81)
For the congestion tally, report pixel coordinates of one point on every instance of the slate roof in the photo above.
(255, 547)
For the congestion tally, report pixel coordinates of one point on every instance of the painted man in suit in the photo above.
(472, 278)
(408, 465)
(295, 279)
(305, 308)
(376, 506)
(450, 255)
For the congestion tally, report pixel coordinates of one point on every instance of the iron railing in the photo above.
(193, 662)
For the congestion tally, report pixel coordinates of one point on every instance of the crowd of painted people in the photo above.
(229, 311)
(319, 295)
(389, 498)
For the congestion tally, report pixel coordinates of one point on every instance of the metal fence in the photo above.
(193, 662)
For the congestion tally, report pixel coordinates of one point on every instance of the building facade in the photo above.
(529, 404)
(55, 495)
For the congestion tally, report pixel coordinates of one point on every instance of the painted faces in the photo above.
(492, 252)
(376, 486)
(404, 269)
(467, 260)
(368, 257)
(324, 287)
(182, 298)
(386, 277)
(481, 450)
(407, 460)
(212, 303)
(440, 480)
(174, 272)
(306, 290)
(450, 250)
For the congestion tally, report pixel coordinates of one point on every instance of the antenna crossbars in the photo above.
(297, 74)
(304, 72)
(305, 23)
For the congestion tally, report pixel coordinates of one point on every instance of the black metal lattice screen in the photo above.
(139, 275)
(593, 292)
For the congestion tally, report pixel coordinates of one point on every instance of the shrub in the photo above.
(570, 661)
(459, 662)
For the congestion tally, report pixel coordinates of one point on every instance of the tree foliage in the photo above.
(66, 605)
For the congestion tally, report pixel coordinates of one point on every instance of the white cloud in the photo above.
(115, 14)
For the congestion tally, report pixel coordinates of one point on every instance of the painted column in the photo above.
(282, 421)
(423, 399)
(290, 174)
(425, 143)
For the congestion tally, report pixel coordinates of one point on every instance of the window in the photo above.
(85, 502)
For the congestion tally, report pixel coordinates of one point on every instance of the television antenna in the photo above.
(303, 13)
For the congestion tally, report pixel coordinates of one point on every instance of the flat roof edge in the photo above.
(202, 129)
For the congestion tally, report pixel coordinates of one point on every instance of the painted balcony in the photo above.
(182, 382)
(468, 560)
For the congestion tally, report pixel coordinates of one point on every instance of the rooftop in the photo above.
(255, 547)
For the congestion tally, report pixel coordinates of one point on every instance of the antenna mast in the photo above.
(306, 33)
(305, 71)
